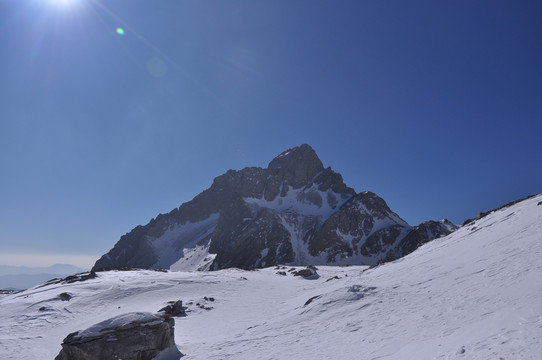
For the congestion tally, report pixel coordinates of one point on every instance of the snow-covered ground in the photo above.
(475, 294)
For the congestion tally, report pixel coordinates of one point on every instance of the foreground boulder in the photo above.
(132, 336)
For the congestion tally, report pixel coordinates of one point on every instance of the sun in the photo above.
(63, 2)
(64, 6)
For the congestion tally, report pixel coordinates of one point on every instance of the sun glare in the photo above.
(63, 2)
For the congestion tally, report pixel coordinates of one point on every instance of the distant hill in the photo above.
(24, 277)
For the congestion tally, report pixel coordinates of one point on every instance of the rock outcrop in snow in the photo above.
(421, 234)
(132, 336)
(293, 212)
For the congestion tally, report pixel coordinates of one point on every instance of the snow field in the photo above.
(475, 294)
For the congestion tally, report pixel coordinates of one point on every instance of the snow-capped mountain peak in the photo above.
(293, 212)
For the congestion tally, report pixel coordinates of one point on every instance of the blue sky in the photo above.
(434, 105)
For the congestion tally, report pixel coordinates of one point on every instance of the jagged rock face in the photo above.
(132, 250)
(420, 235)
(132, 336)
(257, 241)
(365, 225)
(294, 212)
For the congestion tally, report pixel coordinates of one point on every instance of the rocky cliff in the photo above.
(294, 212)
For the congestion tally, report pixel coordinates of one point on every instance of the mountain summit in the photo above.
(293, 212)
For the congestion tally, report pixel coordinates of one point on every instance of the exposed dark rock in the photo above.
(72, 278)
(132, 250)
(483, 214)
(240, 245)
(358, 292)
(296, 167)
(202, 306)
(80, 277)
(307, 273)
(283, 273)
(420, 235)
(312, 299)
(381, 240)
(173, 308)
(133, 336)
(65, 296)
(9, 292)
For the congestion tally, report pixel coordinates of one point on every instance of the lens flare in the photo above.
(120, 31)
(156, 67)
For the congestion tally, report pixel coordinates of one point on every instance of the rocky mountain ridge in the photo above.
(293, 212)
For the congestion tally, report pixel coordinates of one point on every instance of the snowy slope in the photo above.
(475, 294)
(174, 246)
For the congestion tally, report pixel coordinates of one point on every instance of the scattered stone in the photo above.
(540, 203)
(209, 298)
(333, 278)
(201, 306)
(173, 308)
(132, 336)
(311, 299)
(378, 263)
(65, 296)
(358, 292)
(283, 273)
(51, 281)
(80, 277)
(9, 292)
(483, 214)
(307, 273)
(71, 279)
